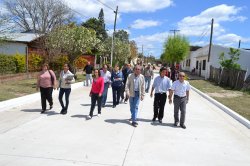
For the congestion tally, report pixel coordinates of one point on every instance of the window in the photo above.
(188, 62)
(197, 64)
(204, 65)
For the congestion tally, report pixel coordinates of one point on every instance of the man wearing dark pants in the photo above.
(181, 89)
(161, 85)
(117, 83)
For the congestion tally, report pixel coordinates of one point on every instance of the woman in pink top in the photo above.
(96, 93)
(46, 81)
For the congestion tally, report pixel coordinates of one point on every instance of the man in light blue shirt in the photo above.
(161, 85)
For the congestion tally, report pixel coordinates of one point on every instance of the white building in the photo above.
(198, 60)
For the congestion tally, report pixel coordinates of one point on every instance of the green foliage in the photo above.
(122, 35)
(73, 40)
(20, 63)
(231, 62)
(7, 64)
(176, 48)
(98, 26)
(58, 62)
(35, 62)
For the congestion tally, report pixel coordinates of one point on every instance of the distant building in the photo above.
(22, 43)
(198, 58)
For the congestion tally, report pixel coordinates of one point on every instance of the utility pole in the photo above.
(174, 31)
(113, 37)
(239, 43)
(211, 37)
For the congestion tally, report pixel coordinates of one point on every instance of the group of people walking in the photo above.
(128, 84)
(46, 82)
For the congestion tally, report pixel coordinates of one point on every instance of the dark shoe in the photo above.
(43, 111)
(183, 126)
(51, 107)
(114, 106)
(103, 106)
(175, 124)
(134, 124)
(154, 119)
(62, 111)
(160, 121)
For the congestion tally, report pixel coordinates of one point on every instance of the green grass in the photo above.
(240, 103)
(14, 89)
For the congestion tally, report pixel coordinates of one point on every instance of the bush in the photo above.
(20, 63)
(7, 64)
(35, 62)
(58, 62)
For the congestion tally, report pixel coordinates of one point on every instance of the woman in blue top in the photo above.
(117, 83)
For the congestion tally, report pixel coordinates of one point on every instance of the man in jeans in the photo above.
(135, 89)
(148, 74)
(107, 81)
(88, 69)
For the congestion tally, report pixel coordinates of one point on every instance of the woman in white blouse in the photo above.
(65, 81)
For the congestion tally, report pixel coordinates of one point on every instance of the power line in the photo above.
(79, 13)
(105, 5)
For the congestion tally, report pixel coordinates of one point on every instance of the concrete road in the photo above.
(28, 138)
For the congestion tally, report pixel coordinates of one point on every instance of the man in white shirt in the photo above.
(181, 89)
(161, 85)
(107, 80)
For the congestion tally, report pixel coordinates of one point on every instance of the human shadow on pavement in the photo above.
(80, 116)
(50, 113)
(85, 105)
(31, 110)
(115, 121)
(163, 124)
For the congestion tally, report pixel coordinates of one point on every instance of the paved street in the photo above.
(28, 138)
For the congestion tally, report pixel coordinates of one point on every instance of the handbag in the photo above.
(51, 78)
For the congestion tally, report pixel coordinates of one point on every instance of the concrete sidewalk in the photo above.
(28, 138)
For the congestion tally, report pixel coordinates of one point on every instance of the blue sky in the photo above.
(149, 21)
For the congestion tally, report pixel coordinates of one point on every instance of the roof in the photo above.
(20, 37)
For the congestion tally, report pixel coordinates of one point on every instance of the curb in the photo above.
(20, 101)
(227, 110)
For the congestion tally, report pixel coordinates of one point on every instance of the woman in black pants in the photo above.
(46, 81)
(96, 93)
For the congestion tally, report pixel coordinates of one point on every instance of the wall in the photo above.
(11, 48)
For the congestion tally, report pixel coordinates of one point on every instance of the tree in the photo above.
(133, 50)
(73, 40)
(176, 48)
(38, 15)
(98, 25)
(231, 62)
(101, 18)
(122, 35)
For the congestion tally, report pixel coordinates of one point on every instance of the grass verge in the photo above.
(14, 89)
(238, 101)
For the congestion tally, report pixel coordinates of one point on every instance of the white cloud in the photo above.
(231, 38)
(141, 24)
(195, 25)
(91, 8)
(152, 44)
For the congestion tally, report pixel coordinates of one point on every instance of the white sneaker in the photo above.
(98, 115)
(89, 117)
(125, 102)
